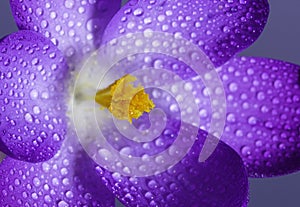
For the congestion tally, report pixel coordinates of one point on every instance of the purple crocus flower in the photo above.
(47, 166)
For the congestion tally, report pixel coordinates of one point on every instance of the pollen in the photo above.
(124, 100)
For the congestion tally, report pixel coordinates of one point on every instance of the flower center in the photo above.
(124, 100)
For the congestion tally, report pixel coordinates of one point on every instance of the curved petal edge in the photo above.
(33, 89)
(68, 179)
(219, 28)
(263, 119)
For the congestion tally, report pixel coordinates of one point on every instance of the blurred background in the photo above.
(279, 40)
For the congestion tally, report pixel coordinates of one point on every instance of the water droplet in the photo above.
(39, 11)
(258, 143)
(56, 137)
(53, 15)
(152, 184)
(231, 118)
(277, 84)
(138, 12)
(267, 154)
(233, 87)
(34, 94)
(44, 24)
(169, 12)
(269, 124)
(260, 96)
(63, 204)
(28, 118)
(9, 75)
(188, 86)
(161, 18)
(105, 154)
(45, 95)
(245, 150)
(275, 100)
(226, 29)
(34, 196)
(81, 10)
(64, 171)
(36, 110)
(69, 194)
(252, 120)
(93, 24)
(55, 181)
(174, 108)
(66, 182)
(45, 167)
(147, 20)
(69, 4)
(173, 187)
(53, 54)
(17, 182)
(36, 182)
(47, 199)
(239, 133)
(149, 195)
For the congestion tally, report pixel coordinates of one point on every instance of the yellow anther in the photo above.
(124, 100)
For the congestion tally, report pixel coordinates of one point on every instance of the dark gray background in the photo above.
(280, 40)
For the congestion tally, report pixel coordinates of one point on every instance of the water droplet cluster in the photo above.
(68, 179)
(188, 183)
(33, 86)
(263, 119)
(220, 28)
(76, 27)
(178, 104)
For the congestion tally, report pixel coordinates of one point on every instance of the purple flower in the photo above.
(47, 166)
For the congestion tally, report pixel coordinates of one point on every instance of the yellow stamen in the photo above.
(124, 100)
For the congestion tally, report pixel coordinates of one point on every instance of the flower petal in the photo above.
(219, 181)
(76, 27)
(176, 100)
(145, 158)
(220, 28)
(262, 123)
(68, 179)
(32, 92)
(263, 120)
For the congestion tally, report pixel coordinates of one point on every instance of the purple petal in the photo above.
(176, 181)
(263, 108)
(68, 179)
(76, 27)
(219, 181)
(220, 28)
(141, 174)
(32, 91)
(263, 120)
